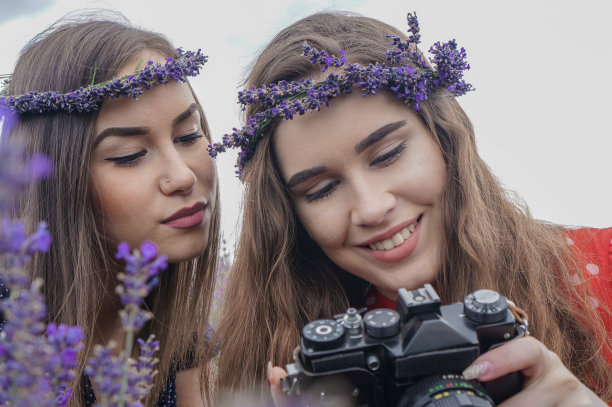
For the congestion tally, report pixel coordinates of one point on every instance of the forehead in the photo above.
(336, 129)
(161, 103)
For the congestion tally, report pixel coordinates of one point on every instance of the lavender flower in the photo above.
(408, 75)
(121, 380)
(16, 249)
(17, 171)
(87, 99)
(35, 369)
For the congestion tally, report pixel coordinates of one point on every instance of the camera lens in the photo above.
(445, 391)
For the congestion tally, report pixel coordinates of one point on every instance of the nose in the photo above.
(176, 176)
(372, 201)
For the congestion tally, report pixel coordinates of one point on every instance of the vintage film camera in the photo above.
(412, 356)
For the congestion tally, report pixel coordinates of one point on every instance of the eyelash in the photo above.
(188, 139)
(389, 157)
(127, 160)
(132, 159)
(323, 192)
(383, 161)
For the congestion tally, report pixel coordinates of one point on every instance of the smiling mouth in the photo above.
(395, 240)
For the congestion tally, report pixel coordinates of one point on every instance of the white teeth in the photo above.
(396, 240)
(388, 244)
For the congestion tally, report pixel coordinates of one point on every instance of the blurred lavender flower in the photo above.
(17, 171)
(121, 380)
(35, 369)
(38, 363)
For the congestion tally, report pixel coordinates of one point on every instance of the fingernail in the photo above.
(269, 370)
(477, 370)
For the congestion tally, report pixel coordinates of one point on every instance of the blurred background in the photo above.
(541, 109)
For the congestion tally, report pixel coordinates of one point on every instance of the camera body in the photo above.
(408, 357)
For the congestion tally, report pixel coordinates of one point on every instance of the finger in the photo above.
(275, 374)
(523, 354)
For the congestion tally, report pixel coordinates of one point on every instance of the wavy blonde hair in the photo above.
(281, 280)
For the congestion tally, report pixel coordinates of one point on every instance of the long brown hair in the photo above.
(76, 270)
(281, 280)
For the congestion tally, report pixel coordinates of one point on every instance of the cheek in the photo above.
(206, 172)
(424, 180)
(115, 198)
(323, 224)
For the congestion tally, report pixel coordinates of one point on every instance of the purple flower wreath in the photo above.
(408, 75)
(87, 99)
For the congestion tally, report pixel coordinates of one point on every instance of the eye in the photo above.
(323, 192)
(188, 139)
(127, 160)
(389, 157)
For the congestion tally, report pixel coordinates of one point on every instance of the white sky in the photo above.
(541, 109)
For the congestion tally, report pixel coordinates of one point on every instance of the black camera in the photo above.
(412, 356)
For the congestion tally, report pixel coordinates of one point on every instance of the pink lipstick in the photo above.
(399, 252)
(186, 218)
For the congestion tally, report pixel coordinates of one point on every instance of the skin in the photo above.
(368, 194)
(140, 177)
(361, 195)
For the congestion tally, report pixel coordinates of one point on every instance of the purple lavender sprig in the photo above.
(17, 170)
(16, 250)
(87, 99)
(123, 381)
(37, 363)
(35, 369)
(408, 75)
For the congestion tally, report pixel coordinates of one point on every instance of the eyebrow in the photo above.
(378, 135)
(138, 131)
(302, 176)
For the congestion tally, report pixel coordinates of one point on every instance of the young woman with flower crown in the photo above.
(346, 205)
(130, 166)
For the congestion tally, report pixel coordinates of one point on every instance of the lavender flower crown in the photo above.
(87, 99)
(408, 75)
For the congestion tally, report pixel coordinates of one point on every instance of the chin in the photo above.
(177, 254)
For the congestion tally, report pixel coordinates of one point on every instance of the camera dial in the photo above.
(323, 334)
(382, 322)
(485, 306)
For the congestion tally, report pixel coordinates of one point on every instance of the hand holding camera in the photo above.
(412, 356)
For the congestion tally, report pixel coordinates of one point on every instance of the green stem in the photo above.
(127, 353)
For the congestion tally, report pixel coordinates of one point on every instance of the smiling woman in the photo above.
(365, 180)
(128, 139)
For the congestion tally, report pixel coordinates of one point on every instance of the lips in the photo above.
(186, 217)
(397, 250)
